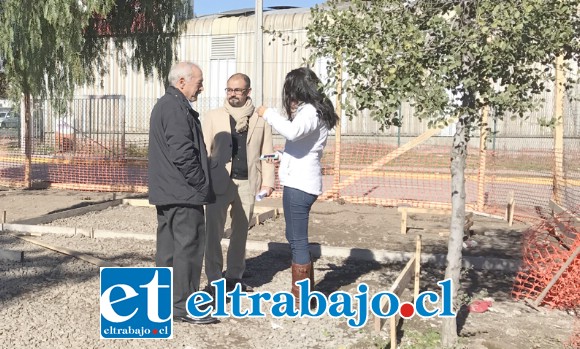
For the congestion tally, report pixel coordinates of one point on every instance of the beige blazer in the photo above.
(217, 135)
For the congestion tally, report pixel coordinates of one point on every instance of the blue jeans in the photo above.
(297, 206)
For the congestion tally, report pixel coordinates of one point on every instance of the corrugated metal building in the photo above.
(222, 45)
(225, 43)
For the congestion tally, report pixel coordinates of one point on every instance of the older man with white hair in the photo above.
(180, 184)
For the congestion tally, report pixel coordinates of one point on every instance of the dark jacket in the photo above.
(178, 164)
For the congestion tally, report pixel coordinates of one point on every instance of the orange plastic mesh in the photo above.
(547, 246)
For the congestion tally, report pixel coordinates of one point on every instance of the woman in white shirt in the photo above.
(310, 117)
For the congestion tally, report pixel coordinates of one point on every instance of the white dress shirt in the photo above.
(305, 137)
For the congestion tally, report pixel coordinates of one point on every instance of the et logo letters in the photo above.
(136, 303)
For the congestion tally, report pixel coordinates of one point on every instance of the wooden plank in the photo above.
(137, 202)
(69, 213)
(563, 212)
(101, 187)
(404, 217)
(417, 268)
(557, 276)
(483, 214)
(262, 217)
(404, 222)
(413, 268)
(13, 256)
(257, 220)
(467, 226)
(384, 160)
(424, 210)
(403, 279)
(563, 230)
(64, 250)
(397, 288)
(396, 202)
(393, 331)
(262, 209)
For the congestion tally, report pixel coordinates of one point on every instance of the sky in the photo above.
(205, 7)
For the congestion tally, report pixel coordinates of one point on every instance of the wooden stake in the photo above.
(393, 330)
(4, 217)
(558, 175)
(482, 159)
(404, 222)
(417, 268)
(509, 210)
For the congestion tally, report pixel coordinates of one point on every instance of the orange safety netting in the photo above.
(548, 247)
(371, 170)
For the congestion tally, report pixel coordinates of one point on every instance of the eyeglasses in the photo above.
(237, 91)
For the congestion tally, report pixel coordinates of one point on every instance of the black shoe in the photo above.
(231, 284)
(206, 320)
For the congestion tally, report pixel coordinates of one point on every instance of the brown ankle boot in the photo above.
(301, 272)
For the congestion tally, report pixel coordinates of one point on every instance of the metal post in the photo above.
(494, 130)
(258, 83)
(400, 112)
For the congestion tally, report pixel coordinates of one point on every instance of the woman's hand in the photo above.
(261, 110)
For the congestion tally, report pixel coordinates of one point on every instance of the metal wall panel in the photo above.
(281, 56)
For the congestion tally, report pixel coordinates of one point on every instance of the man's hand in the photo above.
(261, 111)
(268, 190)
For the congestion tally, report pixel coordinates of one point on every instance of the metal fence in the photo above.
(100, 143)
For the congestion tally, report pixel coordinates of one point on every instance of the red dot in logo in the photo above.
(407, 310)
(155, 331)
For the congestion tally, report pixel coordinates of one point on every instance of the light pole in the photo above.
(258, 84)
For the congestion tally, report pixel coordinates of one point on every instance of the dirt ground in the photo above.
(331, 223)
(508, 324)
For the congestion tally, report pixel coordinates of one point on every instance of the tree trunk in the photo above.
(454, 255)
(27, 142)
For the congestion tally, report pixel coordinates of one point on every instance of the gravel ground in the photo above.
(52, 300)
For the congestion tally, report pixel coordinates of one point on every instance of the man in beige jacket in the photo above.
(235, 138)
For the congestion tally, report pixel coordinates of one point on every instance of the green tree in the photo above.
(49, 47)
(3, 86)
(450, 59)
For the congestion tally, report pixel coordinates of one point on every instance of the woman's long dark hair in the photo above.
(303, 86)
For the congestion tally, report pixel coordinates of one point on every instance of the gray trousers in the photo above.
(181, 244)
(241, 200)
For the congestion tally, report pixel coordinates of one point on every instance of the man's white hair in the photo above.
(181, 70)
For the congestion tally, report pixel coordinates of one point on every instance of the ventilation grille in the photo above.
(223, 47)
